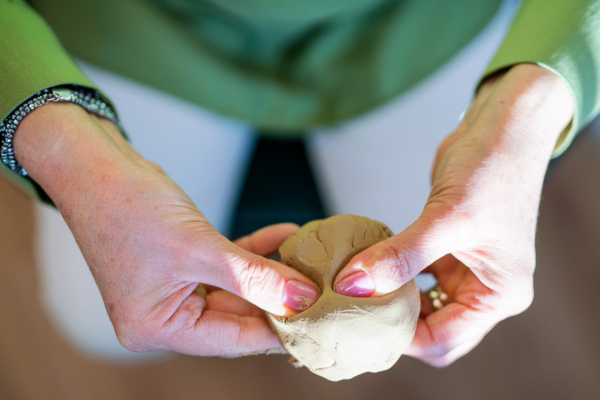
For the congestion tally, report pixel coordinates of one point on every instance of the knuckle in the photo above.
(397, 257)
(523, 297)
(129, 339)
(135, 336)
(241, 346)
(518, 292)
(440, 362)
(527, 301)
(439, 355)
(524, 264)
(254, 277)
(513, 300)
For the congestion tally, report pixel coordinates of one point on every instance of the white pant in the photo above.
(377, 165)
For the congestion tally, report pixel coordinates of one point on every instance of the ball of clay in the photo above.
(340, 337)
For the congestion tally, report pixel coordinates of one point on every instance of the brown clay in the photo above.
(340, 337)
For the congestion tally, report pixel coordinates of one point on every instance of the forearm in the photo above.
(476, 233)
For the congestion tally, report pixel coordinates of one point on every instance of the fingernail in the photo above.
(357, 284)
(299, 296)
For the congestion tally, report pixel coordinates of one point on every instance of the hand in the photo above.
(477, 231)
(149, 247)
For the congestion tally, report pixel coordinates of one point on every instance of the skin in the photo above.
(476, 233)
(147, 244)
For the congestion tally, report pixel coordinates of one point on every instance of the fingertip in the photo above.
(357, 263)
(288, 225)
(365, 276)
(281, 228)
(299, 296)
(357, 284)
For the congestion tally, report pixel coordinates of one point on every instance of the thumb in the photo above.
(241, 269)
(387, 265)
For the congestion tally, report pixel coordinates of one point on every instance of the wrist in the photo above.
(88, 99)
(527, 107)
(61, 145)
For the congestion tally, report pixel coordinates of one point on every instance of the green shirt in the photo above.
(286, 65)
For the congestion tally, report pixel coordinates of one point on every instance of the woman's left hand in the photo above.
(477, 231)
(263, 242)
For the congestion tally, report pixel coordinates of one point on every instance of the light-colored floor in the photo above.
(552, 351)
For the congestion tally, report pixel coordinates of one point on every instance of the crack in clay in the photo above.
(325, 368)
(320, 241)
(370, 314)
(316, 344)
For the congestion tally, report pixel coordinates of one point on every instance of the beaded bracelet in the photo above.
(89, 99)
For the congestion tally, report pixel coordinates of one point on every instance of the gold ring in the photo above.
(437, 297)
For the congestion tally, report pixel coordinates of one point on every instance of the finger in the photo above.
(217, 333)
(196, 329)
(270, 285)
(223, 301)
(266, 241)
(211, 288)
(426, 306)
(449, 273)
(388, 265)
(451, 356)
(452, 327)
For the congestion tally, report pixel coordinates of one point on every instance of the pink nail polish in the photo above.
(299, 296)
(357, 284)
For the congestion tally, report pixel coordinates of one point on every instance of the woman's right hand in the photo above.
(476, 233)
(149, 247)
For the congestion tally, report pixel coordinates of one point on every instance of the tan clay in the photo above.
(340, 337)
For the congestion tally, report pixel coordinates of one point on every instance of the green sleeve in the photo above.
(31, 59)
(564, 37)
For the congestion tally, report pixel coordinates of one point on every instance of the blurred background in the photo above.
(552, 351)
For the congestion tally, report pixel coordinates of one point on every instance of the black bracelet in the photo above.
(89, 99)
